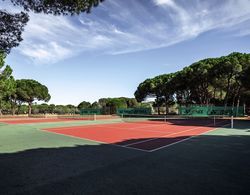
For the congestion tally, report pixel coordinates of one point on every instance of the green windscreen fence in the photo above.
(121, 111)
(90, 111)
(211, 110)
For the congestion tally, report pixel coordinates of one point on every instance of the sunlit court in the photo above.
(145, 134)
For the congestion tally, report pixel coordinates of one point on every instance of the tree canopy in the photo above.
(12, 25)
(218, 81)
(110, 105)
(57, 7)
(7, 82)
(84, 104)
(29, 90)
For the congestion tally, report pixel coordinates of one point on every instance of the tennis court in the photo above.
(126, 154)
(143, 133)
(53, 119)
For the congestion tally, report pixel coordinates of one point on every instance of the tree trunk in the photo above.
(233, 102)
(221, 94)
(238, 100)
(157, 104)
(166, 106)
(13, 111)
(19, 108)
(237, 94)
(1, 108)
(227, 93)
(30, 109)
(13, 106)
(214, 94)
(238, 105)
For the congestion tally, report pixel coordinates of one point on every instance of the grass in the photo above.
(38, 162)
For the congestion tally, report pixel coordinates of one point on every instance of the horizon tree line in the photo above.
(222, 81)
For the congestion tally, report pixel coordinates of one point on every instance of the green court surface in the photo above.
(33, 161)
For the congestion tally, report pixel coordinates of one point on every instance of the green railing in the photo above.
(121, 111)
(211, 110)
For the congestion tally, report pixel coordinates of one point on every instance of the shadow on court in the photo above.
(225, 123)
(207, 164)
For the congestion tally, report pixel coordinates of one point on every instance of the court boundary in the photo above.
(187, 138)
(92, 140)
(143, 141)
(128, 146)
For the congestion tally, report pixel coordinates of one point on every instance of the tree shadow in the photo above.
(207, 164)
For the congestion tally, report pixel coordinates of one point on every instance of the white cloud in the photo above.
(163, 2)
(47, 53)
(119, 26)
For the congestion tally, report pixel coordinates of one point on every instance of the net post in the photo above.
(214, 121)
(94, 117)
(165, 118)
(232, 122)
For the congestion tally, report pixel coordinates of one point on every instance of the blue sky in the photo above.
(121, 43)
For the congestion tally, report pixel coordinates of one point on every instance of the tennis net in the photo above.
(78, 117)
(177, 120)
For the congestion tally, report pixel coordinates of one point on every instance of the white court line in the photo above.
(186, 139)
(126, 146)
(140, 128)
(165, 135)
(100, 142)
(161, 136)
(107, 126)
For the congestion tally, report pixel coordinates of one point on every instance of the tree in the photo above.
(159, 88)
(246, 78)
(11, 27)
(115, 103)
(30, 90)
(71, 109)
(150, 89)
(7, 82)
(131, 102)
(43, 108)
(60, 109)
(95, 105)
(180, 87)
(144, 90)
(220, 81)
(199, 81)
(110, 105)
(57, 7)
(229, 69)
(164, 90)
(84, 105)
(51, 108)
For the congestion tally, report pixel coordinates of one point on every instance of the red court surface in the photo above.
(40, 120)
(47, 120)
(140, 136)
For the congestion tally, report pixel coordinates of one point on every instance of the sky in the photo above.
(108, 52)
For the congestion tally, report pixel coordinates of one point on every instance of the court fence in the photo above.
(91, 111)
(122, 111)
(211, 110)
(118, 111)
